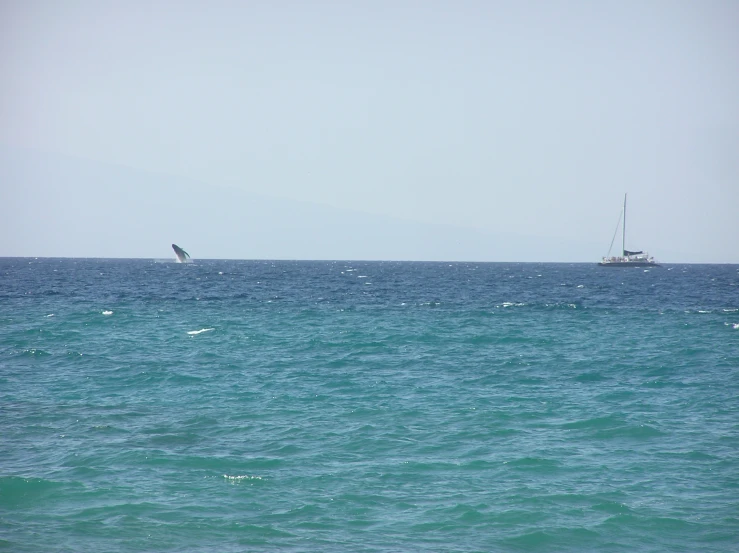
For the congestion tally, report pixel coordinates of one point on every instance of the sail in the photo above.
(629, 258)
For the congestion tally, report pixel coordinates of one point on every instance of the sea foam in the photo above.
(194, 332)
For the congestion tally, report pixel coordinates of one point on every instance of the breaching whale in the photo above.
(182, 255)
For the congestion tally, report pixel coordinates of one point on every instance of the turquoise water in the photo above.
(367, 406)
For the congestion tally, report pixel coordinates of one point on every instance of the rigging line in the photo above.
(615, 233)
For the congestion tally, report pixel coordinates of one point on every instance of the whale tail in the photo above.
(182, 255)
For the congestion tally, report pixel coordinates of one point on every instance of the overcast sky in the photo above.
(531, 118)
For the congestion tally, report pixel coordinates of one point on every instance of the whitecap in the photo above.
(50, 315)
(107, 312)
(241, 477)
(194, 332)
(581, 286)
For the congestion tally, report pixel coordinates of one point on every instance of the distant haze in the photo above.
(491, 131)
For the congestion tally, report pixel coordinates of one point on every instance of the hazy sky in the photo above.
(529, 118)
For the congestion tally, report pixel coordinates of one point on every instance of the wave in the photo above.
(17, 491)
(635, 432)
(555, 539)
(592, 377)
(237, 479)
(196, 332)
(597, 423)
(533, 463)
(34, 353)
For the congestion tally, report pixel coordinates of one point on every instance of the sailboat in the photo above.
(628, 258)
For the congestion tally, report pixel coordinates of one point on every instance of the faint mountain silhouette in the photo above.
(54, 205)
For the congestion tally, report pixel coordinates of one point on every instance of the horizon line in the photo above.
(327, 260)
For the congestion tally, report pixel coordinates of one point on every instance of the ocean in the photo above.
(341, 406)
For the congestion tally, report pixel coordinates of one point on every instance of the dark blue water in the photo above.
(367, 406)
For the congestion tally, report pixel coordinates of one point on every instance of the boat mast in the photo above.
(623, 239)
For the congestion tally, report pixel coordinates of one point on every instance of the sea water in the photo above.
(367, 406)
